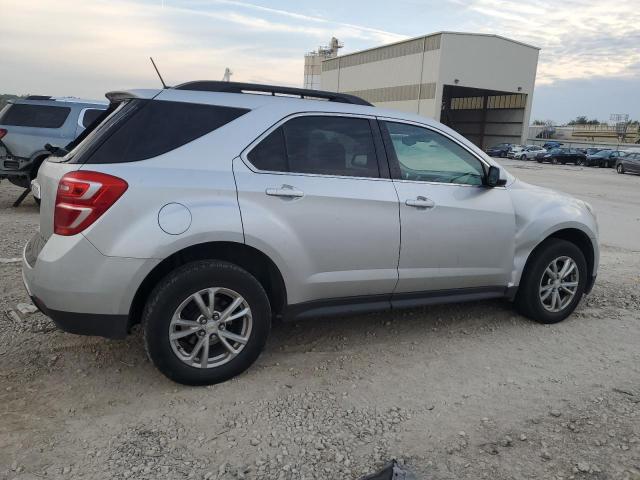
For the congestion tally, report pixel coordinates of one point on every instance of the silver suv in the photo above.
(28, 124)
(204, 210)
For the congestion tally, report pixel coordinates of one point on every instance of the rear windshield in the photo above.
(38, 116)
(142, 129)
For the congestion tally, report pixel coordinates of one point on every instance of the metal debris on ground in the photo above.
(391, 471)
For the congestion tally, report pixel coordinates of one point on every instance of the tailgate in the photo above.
(49, 175)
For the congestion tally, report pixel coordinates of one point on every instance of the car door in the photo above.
(315, 195)
(632, 163)
(456, 232)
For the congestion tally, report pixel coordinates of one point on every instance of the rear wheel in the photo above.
(523, 157)
(206, 322)
(553, 282)
(620, 168)
(580, 162)
(554, 160)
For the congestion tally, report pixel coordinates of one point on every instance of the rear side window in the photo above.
(144, 129)
(90, 116)
(326, 145)
(37, 116)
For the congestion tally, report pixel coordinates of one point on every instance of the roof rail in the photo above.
(236, 87)
(38, 97)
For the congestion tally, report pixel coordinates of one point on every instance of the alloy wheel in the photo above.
(210, 327)
(559, 284)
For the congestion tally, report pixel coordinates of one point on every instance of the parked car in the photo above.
(514, 150)
(28, 125)
(500, 150)
(201, 212)
(563, 156)
(629, 163)
(602, 158)
(530, 152)
(551, 144)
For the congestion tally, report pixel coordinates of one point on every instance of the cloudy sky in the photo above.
(589, 64)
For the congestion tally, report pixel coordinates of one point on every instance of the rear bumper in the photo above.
(83, 291)
(10, 166)
(109, 326)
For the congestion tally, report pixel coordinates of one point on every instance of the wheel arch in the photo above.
(36, 160)
(249, 258)
(576, 236)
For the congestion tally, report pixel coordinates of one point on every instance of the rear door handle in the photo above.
(286, 191)
(421, 202)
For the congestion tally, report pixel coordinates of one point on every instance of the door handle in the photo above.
(421, 202)
(286, 191)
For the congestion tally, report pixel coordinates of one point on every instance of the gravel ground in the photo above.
(454, 392)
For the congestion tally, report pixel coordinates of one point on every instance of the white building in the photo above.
(480, 85)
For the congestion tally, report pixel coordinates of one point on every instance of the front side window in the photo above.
(37, 116)
(425, 155)
(324, 145)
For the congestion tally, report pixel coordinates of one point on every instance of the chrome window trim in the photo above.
(81, 117)
(244, 154)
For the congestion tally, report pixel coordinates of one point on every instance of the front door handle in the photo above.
(421, 202)
(286, 191)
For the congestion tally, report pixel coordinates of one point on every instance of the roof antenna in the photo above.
(164, 85)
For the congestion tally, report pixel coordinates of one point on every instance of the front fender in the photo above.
(541, 213)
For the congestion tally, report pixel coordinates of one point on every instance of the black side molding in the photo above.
(377, 303)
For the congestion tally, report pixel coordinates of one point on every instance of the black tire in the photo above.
(177, 286)
(523, 157)
(539, 160)
(620, 168)
(554, 160)
(581, 162)
(503, 154)
(528, 301)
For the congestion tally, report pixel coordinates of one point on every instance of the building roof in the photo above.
(444, 32)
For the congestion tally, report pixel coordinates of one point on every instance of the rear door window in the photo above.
(143, 129)
(322, 145)
(90, 116)
(37, 116)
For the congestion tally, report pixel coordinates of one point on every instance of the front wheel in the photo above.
(523, 157)
(206, 322)
(620, 169)
(580, 162)
(553, 282)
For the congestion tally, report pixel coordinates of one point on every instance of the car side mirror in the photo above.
(493, 177)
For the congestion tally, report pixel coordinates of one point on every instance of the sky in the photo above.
(589, 63)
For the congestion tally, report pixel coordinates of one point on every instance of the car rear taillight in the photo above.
(82, 198)
(3, 132)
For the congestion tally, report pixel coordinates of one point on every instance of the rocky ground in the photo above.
(459, 391)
